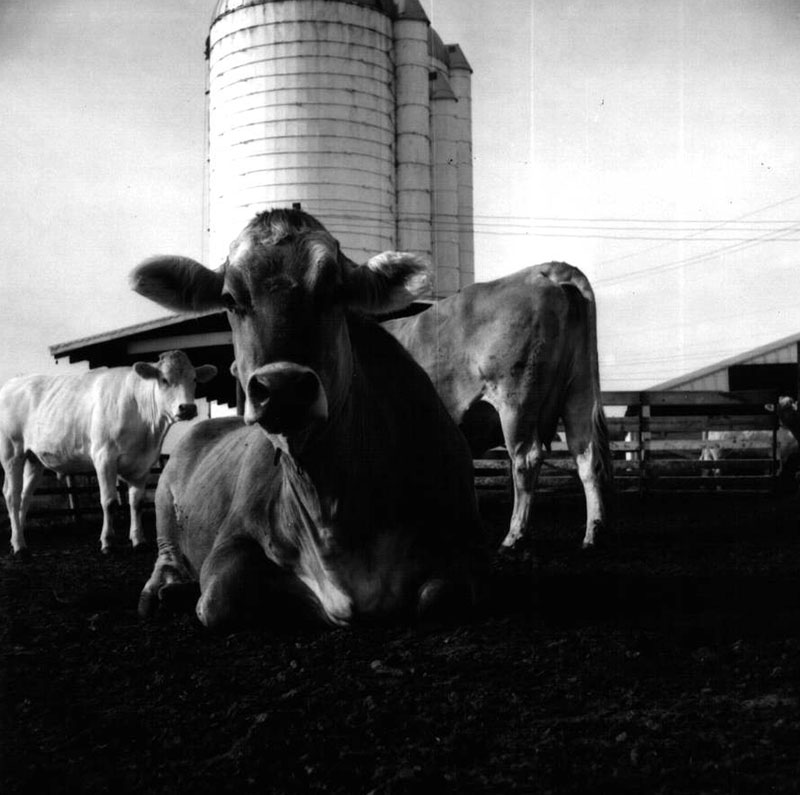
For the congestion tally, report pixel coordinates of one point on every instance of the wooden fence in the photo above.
(76, 496)
(656, 441)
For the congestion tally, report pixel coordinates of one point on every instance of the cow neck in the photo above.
(145, 404)
(792, 425)
(321, 464)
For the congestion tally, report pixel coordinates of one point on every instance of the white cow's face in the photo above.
(175, 380)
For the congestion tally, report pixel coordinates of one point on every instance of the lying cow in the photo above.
(111, 419)
(511, 357)
(345, 492)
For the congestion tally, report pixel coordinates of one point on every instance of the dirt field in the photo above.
(668, 663)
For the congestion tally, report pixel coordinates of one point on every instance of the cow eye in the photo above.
(231, 304)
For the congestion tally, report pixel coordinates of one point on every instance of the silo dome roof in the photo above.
(436, 47)
(227, 6)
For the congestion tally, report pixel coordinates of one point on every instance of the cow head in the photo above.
(175, 380)
(786, 409)
(287, 287)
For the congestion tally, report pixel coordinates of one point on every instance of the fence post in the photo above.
(773, 470)
(72, 498)
(644, 438)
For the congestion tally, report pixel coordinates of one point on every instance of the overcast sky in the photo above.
(652, 144)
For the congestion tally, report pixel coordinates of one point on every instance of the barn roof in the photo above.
(759, 355)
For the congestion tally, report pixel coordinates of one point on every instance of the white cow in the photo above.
(788, 416)
(111, 419)
(720, 444)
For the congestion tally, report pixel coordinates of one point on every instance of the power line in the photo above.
(712, 321)
(719, 225)
(767, 237)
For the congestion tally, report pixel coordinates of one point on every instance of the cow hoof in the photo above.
(597, 541)
(142, 548)
(522, 548)
(22, 555)
(148, 604)
(442, 600)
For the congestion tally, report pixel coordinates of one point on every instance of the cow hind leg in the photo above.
(587, 439)
(527, 454)
(14, 467)
(241, 587)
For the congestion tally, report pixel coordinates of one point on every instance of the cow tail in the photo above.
(603, 466)
(602, 460)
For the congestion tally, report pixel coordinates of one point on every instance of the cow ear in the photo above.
(205, 372)
(386, 283)
(146, 370)
(178, 283)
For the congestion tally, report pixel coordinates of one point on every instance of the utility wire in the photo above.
(716, 226)
(767, 237)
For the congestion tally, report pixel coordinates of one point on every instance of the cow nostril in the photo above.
(307, 389)
(187, 410)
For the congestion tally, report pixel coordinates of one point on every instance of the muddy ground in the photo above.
(668, 663)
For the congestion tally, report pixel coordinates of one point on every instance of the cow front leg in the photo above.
(30, 482)
(171, 583)
(136, 494)
(106, 469)
(240, 586)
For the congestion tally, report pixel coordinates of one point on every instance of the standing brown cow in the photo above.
(521, 353)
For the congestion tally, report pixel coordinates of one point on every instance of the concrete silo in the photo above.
(330, 103)
(461, 84)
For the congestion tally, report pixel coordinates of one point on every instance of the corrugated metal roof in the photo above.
(742, 358)
(61, 349)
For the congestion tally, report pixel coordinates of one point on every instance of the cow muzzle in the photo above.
(284, 398)
(187, 411)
